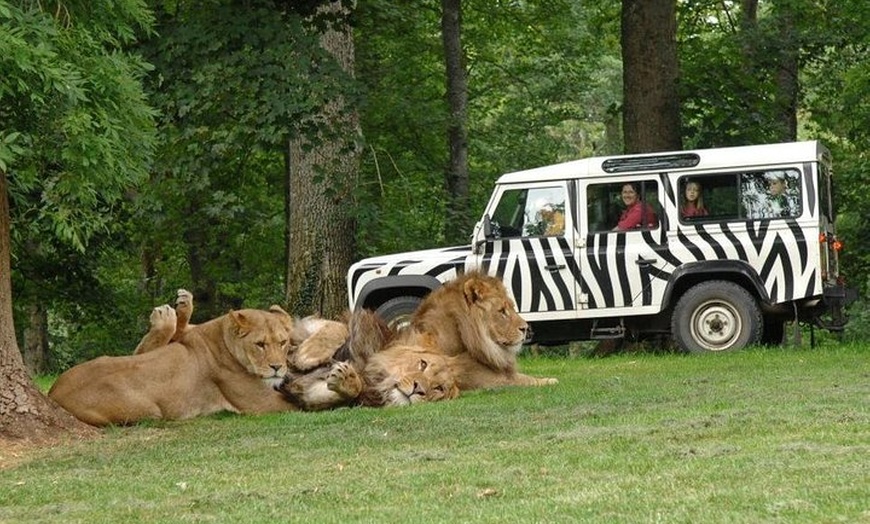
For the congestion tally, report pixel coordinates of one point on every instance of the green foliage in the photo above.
(541, 81)
(230, 82)
(753, 436)
(76, 129)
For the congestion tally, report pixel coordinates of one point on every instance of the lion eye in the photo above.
(504, 312)
(261, 345)
(439, 389)
(423, 365)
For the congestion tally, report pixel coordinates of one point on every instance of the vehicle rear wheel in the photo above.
(716, 316)
(397, 311)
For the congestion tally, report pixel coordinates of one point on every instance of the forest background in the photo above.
(148, 146)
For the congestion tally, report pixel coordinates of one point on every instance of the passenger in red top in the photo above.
(637, 212)
(693, 205)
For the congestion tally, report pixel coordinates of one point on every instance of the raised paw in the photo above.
(162, 327)
(185, 299)
(184, 309)
(344, 380)
(163, 318)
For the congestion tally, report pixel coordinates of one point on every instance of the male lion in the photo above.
(327, 372)
(231, 363)
(472, 320)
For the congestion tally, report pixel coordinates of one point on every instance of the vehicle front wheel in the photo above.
(397, 311)
(716, 316)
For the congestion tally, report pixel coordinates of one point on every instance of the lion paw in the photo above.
(344, 380)
(184, 309)
(163, 321)
(185, 299)
(163, 318)
(547, 381)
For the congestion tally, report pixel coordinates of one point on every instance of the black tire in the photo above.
(716, 316)
(397, 311)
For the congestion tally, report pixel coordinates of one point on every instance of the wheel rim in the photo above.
(716, 325)
(400, 322)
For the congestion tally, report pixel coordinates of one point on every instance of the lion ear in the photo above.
(274, 308)
(285, 317)
(475, 291)
(241, 321)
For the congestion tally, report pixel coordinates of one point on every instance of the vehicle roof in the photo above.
(718, 158)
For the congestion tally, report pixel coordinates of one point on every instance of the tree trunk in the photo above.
(36, 340)
(458, 226)
(787, 86)
(651, 108)
(321, 174)
(25, 413)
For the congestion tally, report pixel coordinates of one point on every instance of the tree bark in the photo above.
(25, 413)
(787, 84)
(36, 340)
(321, 175)
(457, 227)
(651, 107)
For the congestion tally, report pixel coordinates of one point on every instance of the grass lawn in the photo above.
(761, 435)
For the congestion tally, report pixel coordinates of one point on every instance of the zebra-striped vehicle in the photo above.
(622, 246)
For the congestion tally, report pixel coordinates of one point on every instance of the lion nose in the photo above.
(418, 389)
(276, 367)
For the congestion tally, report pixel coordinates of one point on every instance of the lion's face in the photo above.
(260, 341)
(494, 310)
(405, 375)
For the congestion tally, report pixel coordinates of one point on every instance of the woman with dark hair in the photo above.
(637, 213)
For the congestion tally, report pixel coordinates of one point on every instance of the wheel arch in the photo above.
(376, 292)
(737, 271)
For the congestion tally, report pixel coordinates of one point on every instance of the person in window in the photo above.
(693, 203)
(637, 213)
(554, 218)
(777, 201)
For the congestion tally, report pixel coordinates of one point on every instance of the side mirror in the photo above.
(487, 226)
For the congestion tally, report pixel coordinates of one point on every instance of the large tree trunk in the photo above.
(25, 413)
(321, 172)
(457, 227)
(651, 108)
(787, 86)
(36, 340)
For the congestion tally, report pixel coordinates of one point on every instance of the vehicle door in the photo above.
(531, 247)
(621, 246)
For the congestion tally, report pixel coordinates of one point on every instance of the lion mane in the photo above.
(353, 363)
(231, 363)
(474, 322)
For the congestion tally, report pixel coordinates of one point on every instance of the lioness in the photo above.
(472, 320)
(358, 371)
(231, 363)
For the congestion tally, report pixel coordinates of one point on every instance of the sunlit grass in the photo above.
(761, 435)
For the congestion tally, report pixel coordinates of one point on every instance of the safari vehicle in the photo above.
(717, 281)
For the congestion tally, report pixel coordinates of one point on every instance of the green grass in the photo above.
(762, 435)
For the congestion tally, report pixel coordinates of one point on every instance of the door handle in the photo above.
(646, 261)
(554, 267)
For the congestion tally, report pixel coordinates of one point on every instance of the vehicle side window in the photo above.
(529, 212)
(740, 196)
(771, 194)
(623, 206)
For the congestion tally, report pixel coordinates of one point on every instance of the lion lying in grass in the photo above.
(473, 320)
(332, 364)
(341, 364)
(179, 371)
